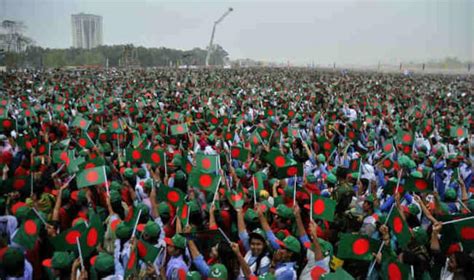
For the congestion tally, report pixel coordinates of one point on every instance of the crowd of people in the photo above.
(236, 174)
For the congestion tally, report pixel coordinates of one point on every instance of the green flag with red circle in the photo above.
(155, 157)
(66, 240)
(91, 177)
(131, 268)
(294, 132)
(146, 251)
(27, 233)
(239, 153)
(323, 208)
(21, 183)
(84, 141)
(276, 158)
(399, 227)
(354, 165)
(205, 181)
(392, 269)
(93, 236)
(418, 185)
(179, 129)
(264, 133)
(207, 163)
(135, 155)
(174, 196)
(405, 137)
(465, 233)
(7, 124)
(63, 156)
(115, 126)
(388, 147)
(81, 123)
(292, 169)
(458, 132)
(236, 198)
(356, 247)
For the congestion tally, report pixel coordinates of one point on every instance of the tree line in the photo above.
(38, 57)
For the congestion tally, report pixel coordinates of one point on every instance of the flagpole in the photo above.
(106, 182)
(224, 235)
(217, 189)
(458, 220)
(166, 169)
(80, 252)
(39, 216)
(254, 191)
(294, 192)
(136, 223)
(189, 214)
(311, 207)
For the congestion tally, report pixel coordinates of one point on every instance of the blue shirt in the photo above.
(174, 266)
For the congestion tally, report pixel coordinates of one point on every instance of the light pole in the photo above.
(209, 49)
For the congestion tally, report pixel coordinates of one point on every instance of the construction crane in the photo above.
(209, 49)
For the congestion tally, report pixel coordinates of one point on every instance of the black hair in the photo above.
(228, 259)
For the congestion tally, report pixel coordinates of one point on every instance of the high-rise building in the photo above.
(86, 31)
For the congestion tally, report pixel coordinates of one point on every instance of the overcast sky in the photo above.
(346, 31)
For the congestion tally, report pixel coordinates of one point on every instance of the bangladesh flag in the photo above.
(172, 195)
(294, 132)
(323, 208)
(229, 134)
(44, 149)
(28, 233)
(428, 127)
(92, 163)
(418, 185)
(405, 137)
(294, 168)
(388, 147)
(63, 157)
(207, 163)
(352, 134)
(356, 247)
(236, 198)
(132, 265)
(155, 157)
(7, 125)
(205, 181)
(146, 251)
(276, 158)
(338, 274)
(74, 166)
(388, 163)
(394, 270)
(135, 155)
(270, 112)
(66, 240)
(21, 183)
(29, 113)
(399, 227)
(183, 213)
(3, 113)
(213, 120)
(81, 123)
(176, 116)
(354, 165)
(85, 141)
(93, 236)
(91, 177)
(458, 132)
(392, 185)
(179, 129)
(239, 153)
(327, 145)
(264, 133)
(290, 113)
(255, 141)
(115, 126)
(465, 233)
(257, 181)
